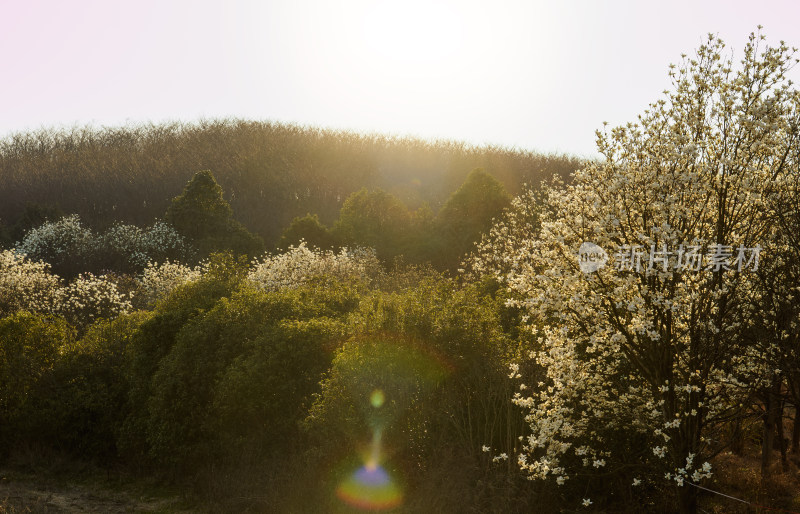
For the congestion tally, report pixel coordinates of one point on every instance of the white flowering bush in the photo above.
(162, 241)
(299, 264)
(89, 298)
(125, 242)
(157, 281)
(130, 248)
(645, 365)
(66, 244)
(72, 248)
(25, 284)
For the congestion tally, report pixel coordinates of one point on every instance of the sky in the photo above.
(531, 75)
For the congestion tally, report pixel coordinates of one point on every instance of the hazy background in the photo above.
(534, 75)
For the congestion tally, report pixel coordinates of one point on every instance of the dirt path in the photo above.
(31, 495)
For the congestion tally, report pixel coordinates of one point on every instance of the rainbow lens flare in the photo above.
(370, 488)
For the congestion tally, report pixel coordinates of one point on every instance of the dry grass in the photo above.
(740, 477)
(39, 481)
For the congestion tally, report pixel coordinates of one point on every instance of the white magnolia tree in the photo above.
(643, 355)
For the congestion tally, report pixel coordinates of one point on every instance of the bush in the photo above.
(30, 346)
(308, 230)
(66, 244)
(377, 220)
(438, 355)
(237, 379)
(366, 371)
(128, 248)
(467, 215)
(89, 298)
(25, 285)
(80, 408)
(158, 281)
(156, 338)
(299, 265)
(72, 248)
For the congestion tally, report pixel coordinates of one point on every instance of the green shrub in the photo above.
(264, 392)
(30, 346)
(376, 220)
(156, 338)
(378, 382)
(239, 376)
(440, 358)
(80, 408)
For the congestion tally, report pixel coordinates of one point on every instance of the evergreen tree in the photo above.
(375, 219)
(202, 214)
(468, 214)
(308, 229)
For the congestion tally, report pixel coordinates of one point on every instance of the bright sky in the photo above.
(529, 74)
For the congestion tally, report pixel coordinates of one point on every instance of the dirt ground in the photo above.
(26, 494)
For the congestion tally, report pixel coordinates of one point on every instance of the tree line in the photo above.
(270, 172)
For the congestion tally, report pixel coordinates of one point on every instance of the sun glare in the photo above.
(412, 34)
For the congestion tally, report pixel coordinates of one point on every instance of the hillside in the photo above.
(270, 172)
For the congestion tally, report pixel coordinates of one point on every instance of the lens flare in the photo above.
(370, 488)
(404, 365)
(377, 398)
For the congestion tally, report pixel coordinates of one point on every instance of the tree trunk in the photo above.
(687, 499)
(771, 407)
(737, 438)
(796, 431)
(781, 438)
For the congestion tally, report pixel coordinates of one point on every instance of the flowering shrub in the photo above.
(299, 265)
(130, 248)
(159, 280)
(90, 297)
(125, 244)
(162, 241)
(66, 244)
(25, 285)
(72, 248)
